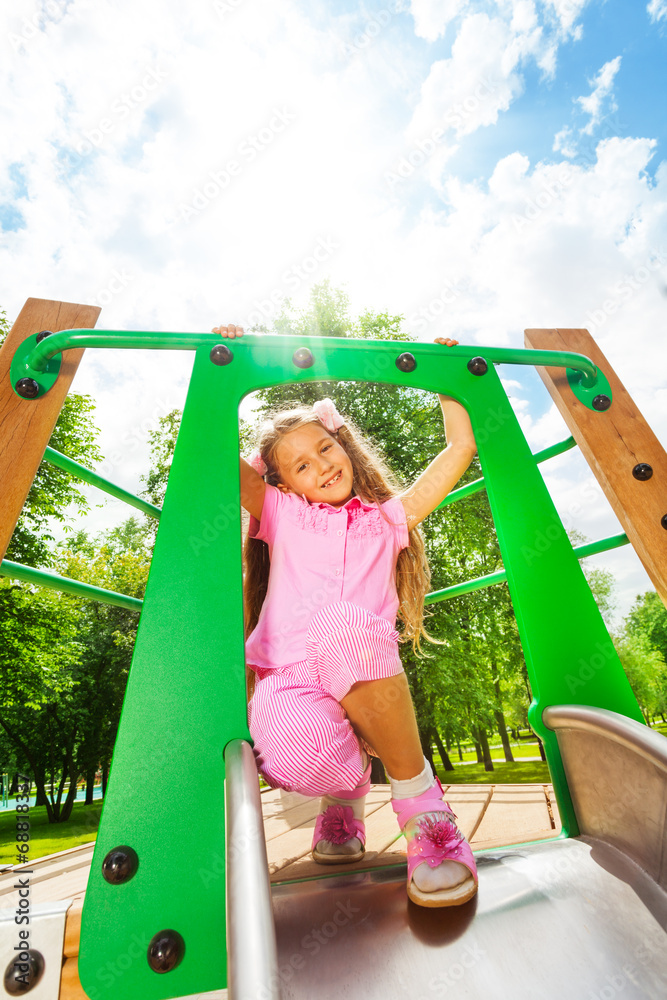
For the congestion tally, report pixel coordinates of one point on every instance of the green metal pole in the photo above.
(88, 476)
(26, 574)
(479, 484)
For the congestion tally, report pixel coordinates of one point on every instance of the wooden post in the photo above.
(613, 442)
(26, 425)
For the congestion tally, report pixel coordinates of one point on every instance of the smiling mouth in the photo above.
(332, 482)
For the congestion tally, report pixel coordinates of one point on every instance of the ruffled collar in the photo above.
(354, 501)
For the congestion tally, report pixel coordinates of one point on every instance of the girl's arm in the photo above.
(253, 489)
(444, 472)
(253, 486)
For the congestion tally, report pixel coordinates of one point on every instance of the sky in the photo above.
(478, 166)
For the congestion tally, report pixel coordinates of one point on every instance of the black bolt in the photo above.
(406, 362)
(28, 388)
(663, 521)
(221, 355)
(165, 951)
(120, 865)
(42, 334)
(478, 366)
(601, 403)
(642, 472)
(303, 357)
(29, 979)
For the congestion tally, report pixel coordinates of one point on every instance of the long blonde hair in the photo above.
(374, 482)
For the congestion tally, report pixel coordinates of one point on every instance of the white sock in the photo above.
(427, 879)
(358, 807)
(411, 787)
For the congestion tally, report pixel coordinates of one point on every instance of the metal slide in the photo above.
(583, 918)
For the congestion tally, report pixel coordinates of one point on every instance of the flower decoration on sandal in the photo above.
(338, 825)
(436, 839)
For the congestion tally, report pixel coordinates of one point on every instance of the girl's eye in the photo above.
(301, 467)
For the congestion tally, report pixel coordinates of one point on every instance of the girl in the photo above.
(332, 554)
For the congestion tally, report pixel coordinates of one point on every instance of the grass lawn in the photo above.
(524, 772)
(497, 753)
(81, 828)
(48, 838)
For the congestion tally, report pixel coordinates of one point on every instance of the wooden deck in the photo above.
(489, 815)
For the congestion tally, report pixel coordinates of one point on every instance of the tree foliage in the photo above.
(55, 495)
(64, 664)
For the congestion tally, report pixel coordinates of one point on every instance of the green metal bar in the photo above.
(81, 472)
(458, 589)
(117, 339)
(603, 545)
(165, 341)
(554, 449)
(54, 582)
(466, 588)
(479, 484)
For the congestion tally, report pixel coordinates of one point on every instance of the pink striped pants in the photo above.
(304, 741)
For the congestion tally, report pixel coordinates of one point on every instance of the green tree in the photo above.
(645, 668)
(648, 617)
(64, 664)
(55, 495)
(39, 655)
(119, 560)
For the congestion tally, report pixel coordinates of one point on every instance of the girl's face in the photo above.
(313, 464)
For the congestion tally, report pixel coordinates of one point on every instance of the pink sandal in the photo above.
(434, 841)
(338, 825)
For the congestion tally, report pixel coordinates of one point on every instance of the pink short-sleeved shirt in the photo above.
(320, 555)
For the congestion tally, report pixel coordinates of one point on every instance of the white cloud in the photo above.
(433, 16)
(657, 10)
(566, 13)
(564, 143)
(594, 103)
(484, 73)
(564, 244)
(474, 85)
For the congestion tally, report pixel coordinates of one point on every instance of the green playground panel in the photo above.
(185, 697)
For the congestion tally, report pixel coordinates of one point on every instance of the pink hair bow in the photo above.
(325, 410)
(258, 463)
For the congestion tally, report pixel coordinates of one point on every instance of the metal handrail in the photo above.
(480, 484)
(42, 353)
(251, 933)
(88, 476)
(27, 574)
(481, 582)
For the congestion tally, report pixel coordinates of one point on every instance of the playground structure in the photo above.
(567, 910)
